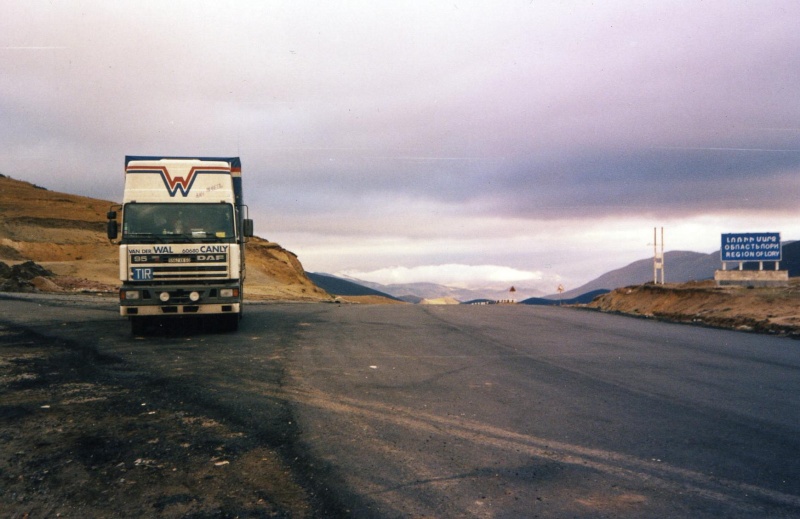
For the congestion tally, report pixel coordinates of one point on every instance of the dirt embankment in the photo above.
(765, 310)
(65, 234)
(275, 273)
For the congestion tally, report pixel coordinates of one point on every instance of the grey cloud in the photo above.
(353, 110)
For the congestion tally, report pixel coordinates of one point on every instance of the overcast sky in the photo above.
(525, 142)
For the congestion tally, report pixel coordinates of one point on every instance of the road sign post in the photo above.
(752, 246)
(755, 247)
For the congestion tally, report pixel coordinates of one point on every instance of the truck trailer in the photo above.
(182, 239)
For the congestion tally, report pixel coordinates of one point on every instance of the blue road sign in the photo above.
(751, 246)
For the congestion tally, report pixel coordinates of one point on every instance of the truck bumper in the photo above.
(166, 300)
(167, 309)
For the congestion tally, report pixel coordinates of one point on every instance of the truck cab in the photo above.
(181, 240)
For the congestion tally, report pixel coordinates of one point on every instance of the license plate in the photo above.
(179, 260)
(141, 274)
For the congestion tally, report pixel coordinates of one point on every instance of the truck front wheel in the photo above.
(138, 325)
(229, 322)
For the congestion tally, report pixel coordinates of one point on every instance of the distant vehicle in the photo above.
(183, 230)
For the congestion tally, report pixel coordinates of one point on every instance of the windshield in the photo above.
(184, 222)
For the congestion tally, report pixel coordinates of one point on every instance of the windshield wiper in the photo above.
(146, 236)
(179, 238)
(211, 239)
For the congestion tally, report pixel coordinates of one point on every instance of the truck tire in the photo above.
(229, 322)
(138, 325)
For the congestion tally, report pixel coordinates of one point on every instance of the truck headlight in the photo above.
(229, 292)
(194, 297)
(164, 296)
(129, 294)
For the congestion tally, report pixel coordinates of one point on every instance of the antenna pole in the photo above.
(662, 255)
(658, 259)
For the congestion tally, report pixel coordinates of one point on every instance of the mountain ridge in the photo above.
(416, 292)
(680, 267)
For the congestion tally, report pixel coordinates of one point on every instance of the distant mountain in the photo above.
(791, 258)
(415, 292)
(579, 300)
(343, 287)
(412, 299)
(680, 267)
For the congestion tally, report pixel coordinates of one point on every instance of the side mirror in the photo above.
(111, 215)
(247, 227)
(112, 229)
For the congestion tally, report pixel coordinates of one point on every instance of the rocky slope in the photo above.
(275, 273)
(65, 234)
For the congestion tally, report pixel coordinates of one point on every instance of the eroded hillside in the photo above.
(66, 235)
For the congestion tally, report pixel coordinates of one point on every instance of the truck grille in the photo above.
(189, 271)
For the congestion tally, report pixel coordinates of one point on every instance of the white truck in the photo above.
(182, 240)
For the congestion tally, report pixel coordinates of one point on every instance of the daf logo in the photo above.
(211, 257)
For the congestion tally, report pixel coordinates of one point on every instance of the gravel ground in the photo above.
(81, 435)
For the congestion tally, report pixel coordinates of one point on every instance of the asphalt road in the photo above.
(486, 411)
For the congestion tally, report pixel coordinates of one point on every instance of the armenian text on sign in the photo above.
(758, 246)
